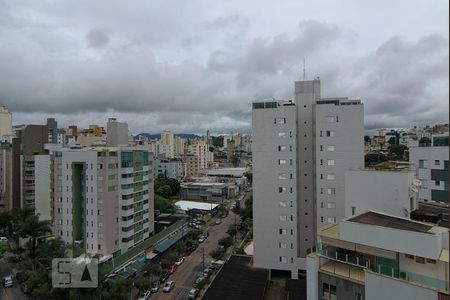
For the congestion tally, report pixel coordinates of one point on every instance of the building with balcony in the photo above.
(103, 198)
(431, 161)
(170, 168)
(379, 256)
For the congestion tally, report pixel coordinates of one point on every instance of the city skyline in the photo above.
(115, 65)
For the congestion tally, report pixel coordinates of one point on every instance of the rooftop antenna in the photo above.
(304, 68)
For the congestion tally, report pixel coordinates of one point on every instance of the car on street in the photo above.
(3, 239)
(7, 281)
(206, 272)
(144, 295)
(193, 293)
(198, 280)
(180, 261)
(155, 286)
(218, 221)
(168, 286)
(164, 276)
(193, 247)
(201, 239)
(172, 269)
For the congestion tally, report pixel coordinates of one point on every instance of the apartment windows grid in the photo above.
(330, 133)
(331, 162)
(330, 148)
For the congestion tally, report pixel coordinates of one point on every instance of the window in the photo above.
(283, 204)
(281, 134)
(409, 256)
(282, 245)
(283, 259)
(321, 204)
(331, 191)
(358, 296)
(330, 133)
(282, 176)
(321, 176)
(283, 218)
(437, 183)
(353, 210)
(421, 164)
(436, 162)
(282, 148)
(281, 121)
(331, 119)
(283, 231)
(282, 189)
(328, 291)
(331, 205)
(321, 162)
(321, 219)
(331, 220)
(331, 176)
(282, 161)
(330, 162)
(321, 148)
(330, 148)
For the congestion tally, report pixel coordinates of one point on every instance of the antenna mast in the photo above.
(304, 69)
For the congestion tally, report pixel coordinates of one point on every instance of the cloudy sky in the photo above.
(194, 65)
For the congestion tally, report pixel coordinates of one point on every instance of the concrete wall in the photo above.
(312, 277)
(42, 186)
(386, 288)
(268, 203)
(414, 243)
(384, 191)
(347, 123)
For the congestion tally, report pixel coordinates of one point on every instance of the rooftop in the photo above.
(238, 280)
(378, 219)
(188, 205)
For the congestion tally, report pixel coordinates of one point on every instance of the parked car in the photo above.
(7, 281)
(164, 276)
(180, 261)
(172, 269)
(218, 221)
(201, 239)
(168, 286)
(206, 272)
(198, 280)
(145, 295)
(3, 239)
(193, 293)
(155, 286)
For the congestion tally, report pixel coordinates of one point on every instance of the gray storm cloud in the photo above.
(199, 66)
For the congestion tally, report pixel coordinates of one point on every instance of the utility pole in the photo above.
(203, 259)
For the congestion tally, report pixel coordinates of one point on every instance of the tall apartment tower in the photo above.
(301, 149)
(52, 127)
(103, 198)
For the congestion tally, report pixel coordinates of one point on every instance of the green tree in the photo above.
(33, 229)
(142, 284)
(222, 209)
(165, 191)
(249, 176)
(217, 253)
(217, 141)
(117, 289)
(398, 150)
(235, 160)
(374, 158)
(367, 139)
(425, 140)
(226, 242)
(164, 205)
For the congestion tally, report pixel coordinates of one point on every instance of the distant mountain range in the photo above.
(157, 136)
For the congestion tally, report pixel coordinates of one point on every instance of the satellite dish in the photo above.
(417, 182)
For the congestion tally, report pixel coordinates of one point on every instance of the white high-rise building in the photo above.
(301, 149)
(103, 198)
(5, 122)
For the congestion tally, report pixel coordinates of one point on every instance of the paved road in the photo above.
(192, 267)
(14, 292)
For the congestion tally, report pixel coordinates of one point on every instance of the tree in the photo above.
(217, 141)
(235, 160)
(164, 191)
(141, 284)
(226, 242)
(117, 289)
(249, 176)
(367, 139)
(164, 205)
(161, 181)
(398, 150)
(222, 209)
(425, 140)
(33, 229)
(374, 158)
(217, 253)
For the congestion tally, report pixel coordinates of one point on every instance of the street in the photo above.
(192, 267)
(14, 292)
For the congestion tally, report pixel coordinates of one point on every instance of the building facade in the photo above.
(378, 256)
(103, 198)
(431, 163)
(5, 122)
(300, 152)
(117, 133)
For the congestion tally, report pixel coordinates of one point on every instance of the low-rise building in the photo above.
(170, 168)
(379, 256)
(213, 191)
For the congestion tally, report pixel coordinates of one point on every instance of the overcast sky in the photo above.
(194, 65)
